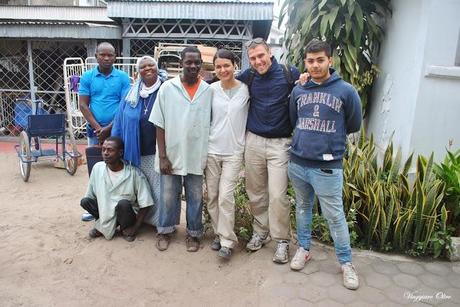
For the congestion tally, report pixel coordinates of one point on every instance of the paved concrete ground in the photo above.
(385, 280)
(249, 279)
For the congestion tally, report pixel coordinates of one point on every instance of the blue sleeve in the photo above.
(125, 86)
(294, 72)
(85, 85)
(244, 76)
(353, 114)
(163, 75)
(117, 123)
(293, 115)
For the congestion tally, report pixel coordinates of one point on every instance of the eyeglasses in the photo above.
(255, 41)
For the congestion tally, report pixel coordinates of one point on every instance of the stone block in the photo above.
(454, 254)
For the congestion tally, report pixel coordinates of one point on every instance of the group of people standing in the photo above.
(168, 135)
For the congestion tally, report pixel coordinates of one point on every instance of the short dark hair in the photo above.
(118, 141)
(225, 54)
(316, 45)
(189, 49)
(104, 44)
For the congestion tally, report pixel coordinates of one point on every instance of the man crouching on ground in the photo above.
(118, 194)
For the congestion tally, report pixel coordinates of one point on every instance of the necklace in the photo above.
(146, 106)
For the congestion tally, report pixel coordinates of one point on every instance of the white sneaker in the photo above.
(257, 242)
(350, 277)
(282, 252)
(300, 259)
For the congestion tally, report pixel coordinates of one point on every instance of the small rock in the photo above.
(68, 261)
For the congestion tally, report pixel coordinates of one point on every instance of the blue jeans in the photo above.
(327, 184)
(170, 203)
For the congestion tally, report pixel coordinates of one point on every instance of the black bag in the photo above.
(93, 155)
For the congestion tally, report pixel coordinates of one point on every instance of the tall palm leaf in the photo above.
(354, 28)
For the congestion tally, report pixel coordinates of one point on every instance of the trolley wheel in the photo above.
(70, 163)
(24, 150)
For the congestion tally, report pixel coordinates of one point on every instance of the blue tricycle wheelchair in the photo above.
(43, 125)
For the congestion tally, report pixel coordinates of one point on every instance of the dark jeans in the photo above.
(124, 211)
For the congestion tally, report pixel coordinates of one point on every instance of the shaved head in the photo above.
(105, 45)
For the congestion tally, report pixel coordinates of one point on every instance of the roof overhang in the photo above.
(56, 13)
(70, 30)
(57, 22)
(193, 9)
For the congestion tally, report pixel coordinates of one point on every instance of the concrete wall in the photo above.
(437, 116)
(420, 110)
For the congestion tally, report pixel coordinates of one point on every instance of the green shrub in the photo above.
(449, 172)
(391, 213)
(385, 210)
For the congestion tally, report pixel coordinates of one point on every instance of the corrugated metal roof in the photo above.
(58, 30)
(225, 1)
(67, 13)
(187, 10)
(14, 22)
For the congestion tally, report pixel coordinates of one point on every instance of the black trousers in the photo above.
(126, 217)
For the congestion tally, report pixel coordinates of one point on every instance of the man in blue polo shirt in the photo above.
(100, 92)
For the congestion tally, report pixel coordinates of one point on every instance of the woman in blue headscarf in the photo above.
(132, 125)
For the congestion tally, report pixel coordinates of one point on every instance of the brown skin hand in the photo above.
(165, 164)
(83, 101)
(132, 231)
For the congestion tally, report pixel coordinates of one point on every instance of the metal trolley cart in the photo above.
(39, 126)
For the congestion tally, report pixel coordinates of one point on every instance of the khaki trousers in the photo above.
(266, 162)
(221, 179)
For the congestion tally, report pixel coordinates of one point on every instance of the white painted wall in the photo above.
(420, 110)
(437, 116)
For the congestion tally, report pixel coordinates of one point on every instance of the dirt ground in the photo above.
(47, 259)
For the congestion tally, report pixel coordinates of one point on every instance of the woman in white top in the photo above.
(230, 106)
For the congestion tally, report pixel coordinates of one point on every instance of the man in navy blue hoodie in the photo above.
(323, 111)
(267, 143)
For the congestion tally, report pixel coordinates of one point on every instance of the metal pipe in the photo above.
(31, 70)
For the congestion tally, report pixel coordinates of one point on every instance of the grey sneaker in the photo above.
(257, 242)
(350, 277)
(215, 244)
(300, 259)
(282, 252)
(225, 252)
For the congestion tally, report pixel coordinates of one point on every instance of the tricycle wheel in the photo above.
(70, 161)
(24, 151)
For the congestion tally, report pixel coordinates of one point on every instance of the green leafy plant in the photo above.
(449, 172)
(385, 210)
(354, 28)
(392, 213)
(320, 228)
(441, 240)
(243, 217)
